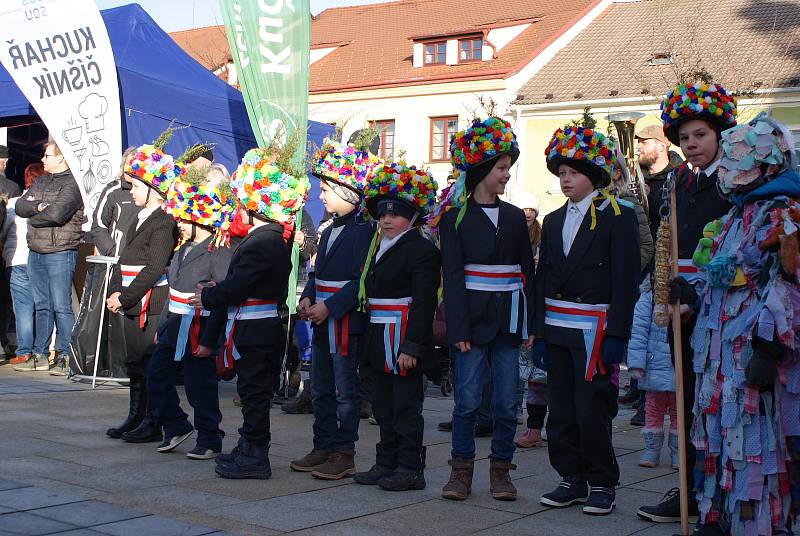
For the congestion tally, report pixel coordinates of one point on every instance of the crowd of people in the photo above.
(546, 313)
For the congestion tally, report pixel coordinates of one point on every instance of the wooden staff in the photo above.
(678, 351)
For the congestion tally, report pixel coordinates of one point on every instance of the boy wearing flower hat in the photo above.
(586, 288)
(138, 286)
(330, 301)
(271, 191)
(694, 117)
(488, 290)
(203, 207)
(400, 281)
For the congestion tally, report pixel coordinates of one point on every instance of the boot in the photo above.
(366, 409)
(300, 404)
(135, 411)
(373, 476)
(653, 441)
(149, 431)
(674, 458)
(229, 457)
(638, 417)
(338, 466)
(250, 461)
(531, 438)
(404, 478)
(459, 486)
(310, 461)
(500, 485)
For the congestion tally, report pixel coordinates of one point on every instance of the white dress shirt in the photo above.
(144, 214)
(574, 218)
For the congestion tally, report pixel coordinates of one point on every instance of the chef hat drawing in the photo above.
(93, 110)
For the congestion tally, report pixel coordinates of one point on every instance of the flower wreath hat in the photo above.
(344, 164)
(474, 152)
(697, 101)
(151, 165)
(191, 198)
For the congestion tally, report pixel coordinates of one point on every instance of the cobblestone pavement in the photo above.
(59, 473)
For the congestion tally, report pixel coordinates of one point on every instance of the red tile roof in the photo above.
(378, 50)
(742, 44)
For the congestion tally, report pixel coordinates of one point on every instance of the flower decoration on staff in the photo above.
(697, 101)
(408, 184)
(151, 165)
(344, 164)
(269, 185)
(591, 151)
(191, 199)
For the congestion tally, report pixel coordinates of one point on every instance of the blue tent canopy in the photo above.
(160, 83)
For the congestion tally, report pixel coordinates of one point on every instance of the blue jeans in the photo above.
(469, 374)
(336, 394)
(22, 301)
(51, 282)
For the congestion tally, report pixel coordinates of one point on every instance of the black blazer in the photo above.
(479, 316)
(409, 268)
(602, 267)
(259, 268)
(151, 245)
(187, 270)
(344, 262)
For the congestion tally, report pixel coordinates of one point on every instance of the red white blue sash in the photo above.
(338, 329)
(501, 278)
(393, 314)
(250, 309)
(190, 321)
(689, 271)
(129, 272)
(590, 319)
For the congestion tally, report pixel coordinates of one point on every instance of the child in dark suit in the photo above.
(488, 273)
(586, 288)
(401, 280)
(330, 301)
(187, 335)
(138, 286)
(256, 283)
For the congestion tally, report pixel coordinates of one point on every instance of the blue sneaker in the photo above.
(601, 501)
(571, 490)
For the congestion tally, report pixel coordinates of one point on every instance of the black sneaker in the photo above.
(668, 510)
(202, 453)
(601, 501)
(371, 477)
(571, 490)
(171, 443)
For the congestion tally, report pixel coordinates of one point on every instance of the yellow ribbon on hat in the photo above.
(603, 195)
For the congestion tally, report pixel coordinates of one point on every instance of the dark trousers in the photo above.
(579, 426)
(687, 369)
(397, 406)
(336, 397)
(139, 344)
(200, 383)
(255, 372)
(536, 415)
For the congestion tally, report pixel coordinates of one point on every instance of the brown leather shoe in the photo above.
(459, 486)
(531, 438)
(310, 461)
(500, 484)
(339, 465)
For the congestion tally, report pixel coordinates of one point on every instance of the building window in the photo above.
(442, 128)
(435, 53)
(386, 128)
(470, 50)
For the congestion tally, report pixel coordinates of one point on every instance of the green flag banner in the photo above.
(269, 42)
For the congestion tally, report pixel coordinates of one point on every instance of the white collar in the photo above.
(712, 167)
(145, 213)
(583, 204)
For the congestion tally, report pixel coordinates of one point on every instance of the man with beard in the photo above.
(654, 159)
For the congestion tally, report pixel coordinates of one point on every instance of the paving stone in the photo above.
(226, 525)
(11, 484)
(153, 526)
(88, 513)
(30, 525)
(169, 500)
(33, 497)
(80, 532)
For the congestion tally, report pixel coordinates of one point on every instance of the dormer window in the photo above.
(436, 53)
(470, 49)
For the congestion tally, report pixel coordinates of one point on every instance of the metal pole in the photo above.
(100, 331)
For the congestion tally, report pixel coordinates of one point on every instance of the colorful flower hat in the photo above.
(407, 184)
(584, 149)
(474, 152)
(191, 199)
(344, 164)
(263, 187)
(697, 101)
(154, 167)
(749, 149)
